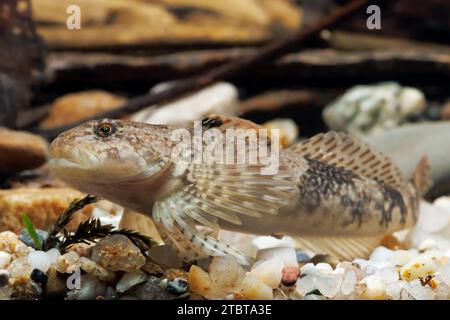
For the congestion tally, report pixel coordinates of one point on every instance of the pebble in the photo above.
(21, 150)
(26, 238)
(200, 283)
(96, 270)
(130, 279)
(20, 270)
(320, 277)
(165, 256)
(419, 267)
(4, 277)
(39, 276)
(153, 290)
(368, 108)
(286, 254)
(118, 253)
(10, 243)
(39, 260)
(268, 271)
(420, 292)
(288, 130)
(290, 275)
(302, 256)
(372, 288)
(111, 294)
(53, 255)
(68, 262)
(254, 289)
(5, 259)
(226, 273)
(177, 286)
(91, 288)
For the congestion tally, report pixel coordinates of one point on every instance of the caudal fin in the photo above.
(421, 178)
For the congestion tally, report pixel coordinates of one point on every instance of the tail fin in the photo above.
(421, 178)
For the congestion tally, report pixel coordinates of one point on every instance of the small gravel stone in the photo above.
(53, 255)
(20, 270)
(96, 270)
(253, 289)
(4, 277)
(25, 237)
(68, 262)
(5, 259)
(118, 253)
(302, 256)
(10, 243)
(111, 294)
(56, 284)
(290, 275)
(153, 290)
(39, 276)
(177, 286)
(286, 254)
(91, 288)
(39, 260)
(130, 279)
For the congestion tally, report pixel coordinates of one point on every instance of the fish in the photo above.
(331, 192)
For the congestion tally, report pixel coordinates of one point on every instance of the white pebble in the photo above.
(253, 289)
(374, 288)
(418, 268)
(269, 272)
(39, 260)
(53, 255)
(348, 283)
(5, 259)
(286, 254)
(381, 254)
(445, 273)
(419, 292)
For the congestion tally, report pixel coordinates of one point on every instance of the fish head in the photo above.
(107, 157)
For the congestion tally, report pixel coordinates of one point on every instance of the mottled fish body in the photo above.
(331, 192)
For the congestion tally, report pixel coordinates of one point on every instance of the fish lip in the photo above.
(57, 163)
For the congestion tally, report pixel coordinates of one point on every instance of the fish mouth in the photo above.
(62, 163)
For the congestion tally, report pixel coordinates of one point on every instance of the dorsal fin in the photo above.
(224, 122)
(345, 151)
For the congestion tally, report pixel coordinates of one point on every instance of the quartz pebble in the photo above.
(39, 260)
(118, 253)
(130, 279)
(418, 268)
(268, 271)
(68, 262)
(96, 270)
(320, 277)
(226, 273)
(10, 243)
(254, 289)
(286, 254)
(5, 259)
(200, 283)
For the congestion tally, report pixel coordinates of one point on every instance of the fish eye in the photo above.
(104, 130)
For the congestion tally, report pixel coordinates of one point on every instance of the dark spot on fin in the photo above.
(208, 123)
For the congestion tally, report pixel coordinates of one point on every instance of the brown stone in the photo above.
(21, 150)
(445, 111)
(77, 106)
(43, 206)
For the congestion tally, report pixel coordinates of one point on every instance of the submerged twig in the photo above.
(266, 53)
